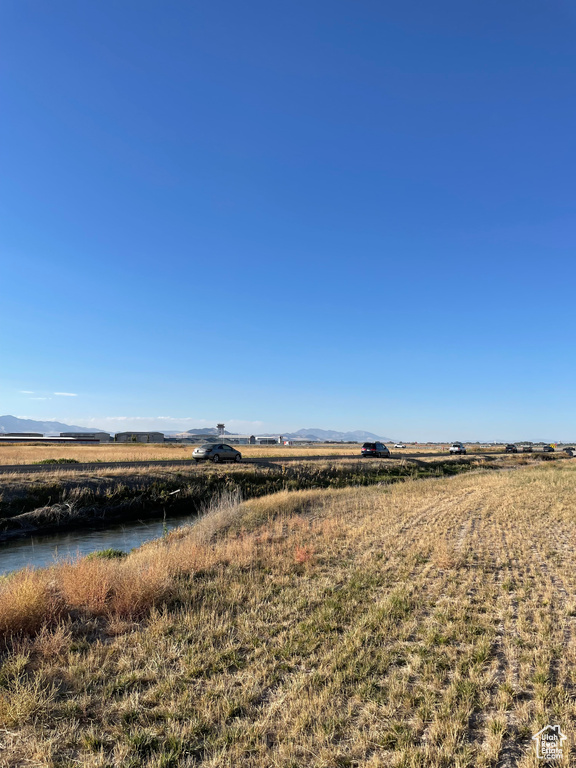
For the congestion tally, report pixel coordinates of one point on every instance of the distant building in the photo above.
(24, 434)
(240, 439)
(139, 437)
(269, 439)
(98, 437)
(7, 439)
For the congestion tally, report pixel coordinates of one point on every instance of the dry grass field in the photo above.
(73, 477)
(31, 453)
(58, 498)
(425, 624)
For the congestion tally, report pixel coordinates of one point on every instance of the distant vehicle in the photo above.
(377, 450)
(399, 445)
(457, 448)
(547, 449)
(570, 451)
(511, 448)
(527, 449)
(216, 452)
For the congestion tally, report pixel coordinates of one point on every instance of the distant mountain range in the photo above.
(321, 435)
(14, 424)
(313, 434)
(205, 431)
(201, 431)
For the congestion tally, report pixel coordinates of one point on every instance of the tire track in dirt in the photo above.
(563, 594)
(411, 526)
(535, 567)
(458, 534)
(427, 524)
(409, 531)
(506, 669)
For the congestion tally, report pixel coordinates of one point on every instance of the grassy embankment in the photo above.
(426, 623)
(58, 499)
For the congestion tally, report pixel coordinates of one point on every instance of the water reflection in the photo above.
(45, 550)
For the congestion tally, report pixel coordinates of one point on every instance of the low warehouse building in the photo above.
(17, 440)
(240, 439)
(99, 437)
(139, 437)
(24, 434)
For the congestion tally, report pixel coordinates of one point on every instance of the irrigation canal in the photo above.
(41, 550)
(45, 549)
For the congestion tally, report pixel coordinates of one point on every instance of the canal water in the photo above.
(39, 551)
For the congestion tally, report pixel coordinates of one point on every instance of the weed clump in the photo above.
(28, 600)
(107, 554)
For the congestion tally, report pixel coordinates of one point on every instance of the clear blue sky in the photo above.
(348, 215)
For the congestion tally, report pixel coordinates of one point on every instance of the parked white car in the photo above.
(399, 445)
(457, 448)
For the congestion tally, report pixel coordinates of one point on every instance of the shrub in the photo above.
(107, 554)
(87, 584)
(27, 601)
(303, 554)
(138, 587)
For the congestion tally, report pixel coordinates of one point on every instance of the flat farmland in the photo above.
(35, 498)
(11, 454)
(426, 624)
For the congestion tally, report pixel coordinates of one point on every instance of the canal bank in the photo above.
(63, 503)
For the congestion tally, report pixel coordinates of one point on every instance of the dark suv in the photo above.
(548, 449)
(511, 448)
(378, 450)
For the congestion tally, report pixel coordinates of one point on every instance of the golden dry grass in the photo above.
(29, 454)
(429, 623)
